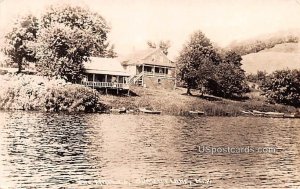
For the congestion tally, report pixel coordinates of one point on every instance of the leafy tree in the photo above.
(110, 53)
(151, 44)
(196, 62)
(67, 38)
(60, 52)
(18, 41)
(163, 45)
(229, 80)
(283, 86)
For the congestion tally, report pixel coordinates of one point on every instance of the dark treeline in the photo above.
(254, 46)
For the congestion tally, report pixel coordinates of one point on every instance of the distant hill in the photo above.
(265, 41)
(282, 56)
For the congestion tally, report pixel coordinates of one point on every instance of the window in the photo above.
(148, 69)
(156, 70)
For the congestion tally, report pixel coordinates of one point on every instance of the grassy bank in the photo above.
(25, 92)
(177, 103)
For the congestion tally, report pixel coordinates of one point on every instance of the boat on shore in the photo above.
(118, 110)
(196, 112)
(270, 114)
(258, 113)
(148, 111)
(274, 114)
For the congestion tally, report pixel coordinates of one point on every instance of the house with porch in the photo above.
(150, 68)
(105, 73)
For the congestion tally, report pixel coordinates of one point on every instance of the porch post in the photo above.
(153, 73)
(105, 78)
(93, 81)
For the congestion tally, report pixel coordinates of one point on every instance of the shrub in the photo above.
(23, 92)
(283, 86)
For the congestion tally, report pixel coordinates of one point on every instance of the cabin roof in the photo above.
(140, 57)
(109, 66)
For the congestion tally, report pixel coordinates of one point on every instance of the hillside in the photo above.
(281, 56)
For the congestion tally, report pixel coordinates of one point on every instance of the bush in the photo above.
(23, 92)
(283, 86)
(72, 98)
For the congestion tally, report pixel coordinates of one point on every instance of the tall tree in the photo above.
(18, 41)
(196, 62)
(67, 38)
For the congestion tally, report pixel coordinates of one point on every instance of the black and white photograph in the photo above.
(149, 94)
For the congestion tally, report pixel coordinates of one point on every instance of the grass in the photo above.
(176, 102)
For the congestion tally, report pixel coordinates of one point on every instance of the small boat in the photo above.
(257, 113)
(246, 112)
(130, 111)
(147, 111)
(118, 110)
(274, 114)
(196, 112)
(293, 115)
(289, 116)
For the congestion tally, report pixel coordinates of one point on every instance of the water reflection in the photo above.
(78, 151)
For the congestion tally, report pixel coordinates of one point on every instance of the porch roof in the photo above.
(109, 66)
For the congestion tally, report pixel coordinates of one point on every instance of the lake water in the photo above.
(81, 151)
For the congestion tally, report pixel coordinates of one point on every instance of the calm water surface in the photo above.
(81, 151)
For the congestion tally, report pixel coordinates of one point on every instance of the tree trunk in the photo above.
(201, 91)
(189, 91)
(19, 66)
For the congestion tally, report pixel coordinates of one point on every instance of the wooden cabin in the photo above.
(150, 68)
(105, 73)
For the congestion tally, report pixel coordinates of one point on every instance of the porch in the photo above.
(105, 81)
(156, 71)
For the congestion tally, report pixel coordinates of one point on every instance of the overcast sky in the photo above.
(134, 22)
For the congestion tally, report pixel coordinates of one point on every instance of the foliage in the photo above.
(90, 23)
(110, 53)
(283, 86)
(24, 92)
(229, 80)
(258, 78)
(61, 54)
(197, 61)
(253, 46)
(72, 98)
(17, 41)
(68, 37)
(163, 45)
(151, 44)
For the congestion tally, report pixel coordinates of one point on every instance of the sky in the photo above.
(134, 22)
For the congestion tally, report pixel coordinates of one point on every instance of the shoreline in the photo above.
(34, 93)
